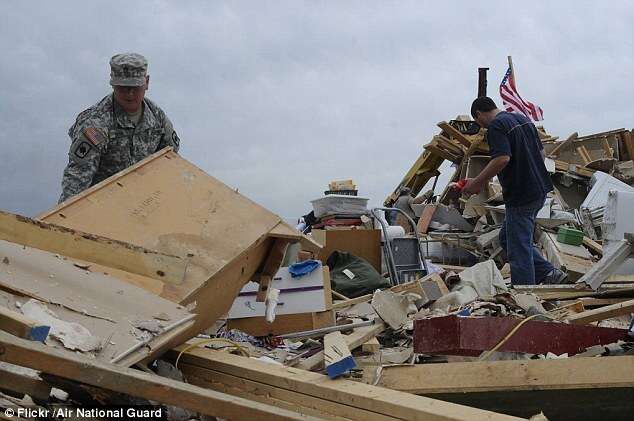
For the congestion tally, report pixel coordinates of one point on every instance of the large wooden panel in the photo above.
(165, 203)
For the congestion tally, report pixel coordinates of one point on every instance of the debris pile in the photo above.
(162, 286)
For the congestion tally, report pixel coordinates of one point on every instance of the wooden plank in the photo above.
(446, 143)
(372, 345)
(628, 140)
(283, 323)
(134, 382)
(602, 313)
(573, 168)
(609, 153)
(563, 144)
(585, 155)
(91, 248)
(593, 245)
(454, 133)
(23, 384)
(22, 326)
(358, 395)
(425, 218)
(354, 340)
(276, 396)
(271, 266)
(435, 149)
(470, 377)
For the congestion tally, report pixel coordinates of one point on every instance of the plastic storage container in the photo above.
(570, 236)
(339, 204)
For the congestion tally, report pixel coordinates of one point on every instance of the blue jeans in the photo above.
(516, 237)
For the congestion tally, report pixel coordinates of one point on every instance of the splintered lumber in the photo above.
(628, 140)
(354, 340)
(134, 382)
(602, 313)
(452, 335)
(167, 204)
(14, 381)
(454, 133)
(593, 245)
(560, 145)
(372, 345)
(356, 396)
(91, 248)
(91, 311)
(585, 155)
(449, 156)
(563, 389)
(337, 357)
(608, 264)
(22, 326)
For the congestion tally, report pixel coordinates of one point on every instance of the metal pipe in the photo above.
(324, 330)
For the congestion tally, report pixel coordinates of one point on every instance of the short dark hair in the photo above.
(482, 104)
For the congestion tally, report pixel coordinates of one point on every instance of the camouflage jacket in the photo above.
(105, 141)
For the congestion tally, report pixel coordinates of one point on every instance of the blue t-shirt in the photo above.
(525, 178)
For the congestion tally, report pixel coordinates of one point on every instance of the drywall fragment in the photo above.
(72, 335)
(391, 307)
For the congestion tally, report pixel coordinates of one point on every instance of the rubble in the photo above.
(164, 285)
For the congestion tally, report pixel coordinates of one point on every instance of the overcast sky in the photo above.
(278, 98)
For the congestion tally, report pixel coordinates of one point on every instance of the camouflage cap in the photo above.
(128, 69)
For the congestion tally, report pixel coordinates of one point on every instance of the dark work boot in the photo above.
(555, 277)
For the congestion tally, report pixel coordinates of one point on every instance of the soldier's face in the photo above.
(130, 98)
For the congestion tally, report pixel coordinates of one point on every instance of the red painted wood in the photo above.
(453, 335)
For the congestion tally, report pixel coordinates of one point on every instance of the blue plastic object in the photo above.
(303, 268)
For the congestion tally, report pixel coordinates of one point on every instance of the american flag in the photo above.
(513, 102)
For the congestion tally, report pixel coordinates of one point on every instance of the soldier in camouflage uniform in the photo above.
(117, 132)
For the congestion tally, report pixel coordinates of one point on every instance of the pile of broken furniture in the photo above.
(155, 286)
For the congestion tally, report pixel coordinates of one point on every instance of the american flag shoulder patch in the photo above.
(94, 135)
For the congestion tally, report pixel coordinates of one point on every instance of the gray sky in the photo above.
(277, 98)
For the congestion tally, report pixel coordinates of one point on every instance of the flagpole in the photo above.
(511, 67)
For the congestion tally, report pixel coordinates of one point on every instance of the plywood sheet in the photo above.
(167, 204)
(107, 307)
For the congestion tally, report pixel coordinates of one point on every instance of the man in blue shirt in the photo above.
(517, 158)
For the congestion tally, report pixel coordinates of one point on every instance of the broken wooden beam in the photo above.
(563, 389)
(452, 335)
(383, 403)
(454, 133)
(23, 384)
(602, 313)
(21, 326)
(134, 382)
(562, 144)
(91, 248)
(486, 376)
